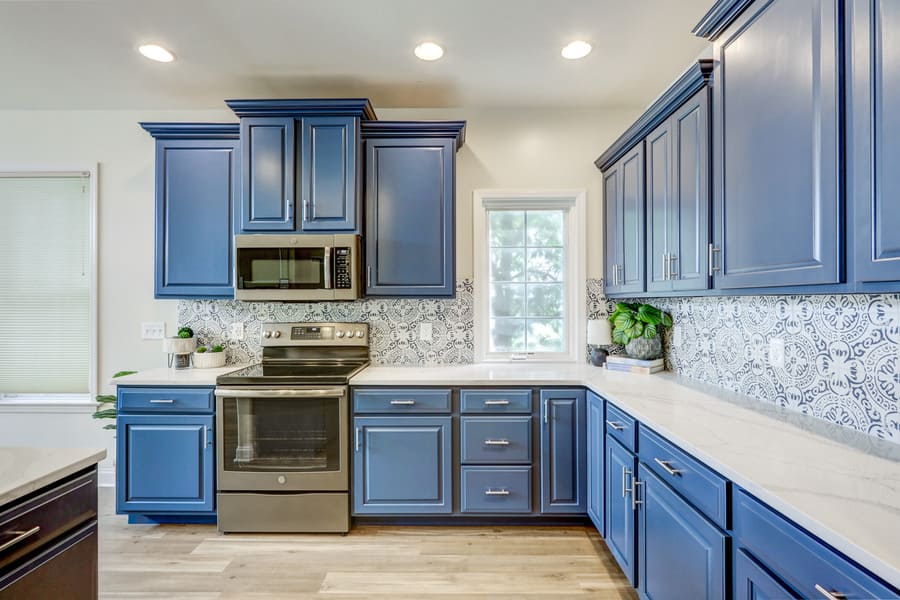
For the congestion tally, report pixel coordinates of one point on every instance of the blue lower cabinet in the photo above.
(753, 582)
(681, 555)
(166, 464)
(563, 452)
(504, 490)
(402, 465)
(595, 459)
(620, 511)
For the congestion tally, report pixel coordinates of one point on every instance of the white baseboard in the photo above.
(106, 477)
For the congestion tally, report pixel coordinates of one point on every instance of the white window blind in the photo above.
(45, 284)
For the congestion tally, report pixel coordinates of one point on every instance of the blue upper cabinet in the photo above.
(776, 159)
(329, 186)
(410, 207)
(659, 207)
(624, 191)
(268, 196)
(596, 417)
(563, 451)
(197, 184)
(873, 138)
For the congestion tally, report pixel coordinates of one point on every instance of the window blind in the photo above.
(45, 284)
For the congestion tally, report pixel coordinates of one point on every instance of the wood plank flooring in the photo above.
(194, 562)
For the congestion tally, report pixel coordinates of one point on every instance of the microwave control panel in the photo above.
(342, 269)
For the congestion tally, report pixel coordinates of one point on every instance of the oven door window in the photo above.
(281, 268)
(276, 434)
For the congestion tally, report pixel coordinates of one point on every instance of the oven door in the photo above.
(282, 439)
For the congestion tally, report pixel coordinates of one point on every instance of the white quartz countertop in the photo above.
(164, 376)
(841, 485)
(24, 470)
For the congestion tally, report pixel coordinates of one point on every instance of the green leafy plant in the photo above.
(631, 321)
(106, 403)
(185, 332)
(201, 349)
(217, 348)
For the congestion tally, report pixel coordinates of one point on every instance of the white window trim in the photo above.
(573, 200)
(72, 402)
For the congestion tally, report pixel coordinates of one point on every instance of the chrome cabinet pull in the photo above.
(155, 401)
(668, 467)
(673, 274)
(713, 250)
(369, 276)
(290, 211)
(546, 412)
(402, 402)
(496, 402)
(826, 593)
(626, 473)
(205, 436)
(21, 536)
(358, 431)
(616, 425)
(634, 494)
(307, 211)
(619, 279)
(500, 492)
(665, 266)
(496, 442)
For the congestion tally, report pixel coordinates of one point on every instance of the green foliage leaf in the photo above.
(185, 332)
(635, 331)
(110, 426)
(200, 350)
(666, 320)
(650, 331)
(107, 413)
(124, 373)
(620, 337)
(649, 314)
(106, 399)
(624, 321)
(217, 348)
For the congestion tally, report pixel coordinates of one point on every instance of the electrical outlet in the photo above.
(153, 331)
(425, 330)
(776, 353)
(237, 331)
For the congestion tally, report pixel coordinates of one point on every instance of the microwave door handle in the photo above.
(327, 264)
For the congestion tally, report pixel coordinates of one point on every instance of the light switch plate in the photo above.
(153, 331)
(776, 353)
(425, 331)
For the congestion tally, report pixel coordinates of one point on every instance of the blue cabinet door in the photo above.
(752, 582)
(620, 514)
(625, 235)
(165, 464)
(402, 465)
(676, 544)
(595, 459)
(328, 182)
(563, 452)
(410, 217)
(267, 199)
(873, 138)
(659, 207)
(197, 183)
(776, 160)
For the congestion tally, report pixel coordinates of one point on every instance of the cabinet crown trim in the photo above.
(415, 129)
(719, 17)
(692, 80)
(192, 131)
(321, 107)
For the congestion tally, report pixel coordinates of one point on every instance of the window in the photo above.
(529, 283)
(46, 286)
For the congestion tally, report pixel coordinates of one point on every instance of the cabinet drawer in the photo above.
(798, 558)
(692, 479)
(495, 440)
(495, 489)
(495, 401)
(621, 426)
(135, 399)
(401, 400)
(47, 516)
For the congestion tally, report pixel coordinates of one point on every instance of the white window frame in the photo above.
(77, 402)
(572, 202)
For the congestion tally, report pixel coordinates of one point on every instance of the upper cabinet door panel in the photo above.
(328, 183)
(633, 240)
(874, 137)
(659, 207)
(776, 146)
(267, 202)
(613, 237)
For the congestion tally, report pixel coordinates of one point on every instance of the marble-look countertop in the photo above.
(164, 376)
(841, 485)
(24, 470)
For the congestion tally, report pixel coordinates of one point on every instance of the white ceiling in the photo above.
(76, 54)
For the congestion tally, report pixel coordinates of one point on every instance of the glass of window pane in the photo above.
(507, 299)
(507, 335)
(507, 228)
(545, 335)
(545, 228)
(545, 264)
(545, 300)
(507, 264)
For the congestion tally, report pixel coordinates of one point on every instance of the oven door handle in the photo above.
(329, 392)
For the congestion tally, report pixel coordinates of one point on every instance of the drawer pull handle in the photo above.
(496, 402)
(634, 495)
(668, 468)
(402, 402)
(490, 492)
(155, 401)
(829, 594)
(616, 425)
(496, 442)
(21, 536)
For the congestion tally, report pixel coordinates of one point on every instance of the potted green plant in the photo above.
(638, 327)
(209, 358)
(106, 404)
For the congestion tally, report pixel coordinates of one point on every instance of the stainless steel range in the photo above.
(283, 430)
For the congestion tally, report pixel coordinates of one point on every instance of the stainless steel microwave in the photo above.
(297, 268)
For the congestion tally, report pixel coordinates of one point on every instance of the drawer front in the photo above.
(495, 401)
(621, 426)
(152, 399)
(689, 477)
(401, 400)
(45, 517)
(798, 558)
(495, 489)
(495, 440)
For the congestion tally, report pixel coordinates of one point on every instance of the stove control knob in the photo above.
(359, 333)
(340, 333)
(276, 334)
(281, 479)
(267, 334)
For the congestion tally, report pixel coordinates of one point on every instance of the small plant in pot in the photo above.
(639, 328)
(209, 357)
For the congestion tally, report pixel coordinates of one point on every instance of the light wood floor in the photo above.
(193, 561)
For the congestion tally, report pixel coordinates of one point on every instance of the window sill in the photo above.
(52, 404)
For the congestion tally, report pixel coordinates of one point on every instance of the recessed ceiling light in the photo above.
(429, 51)
(157, 53)
(576, 49)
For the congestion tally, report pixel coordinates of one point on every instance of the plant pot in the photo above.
(645, 349)
(209, 360)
